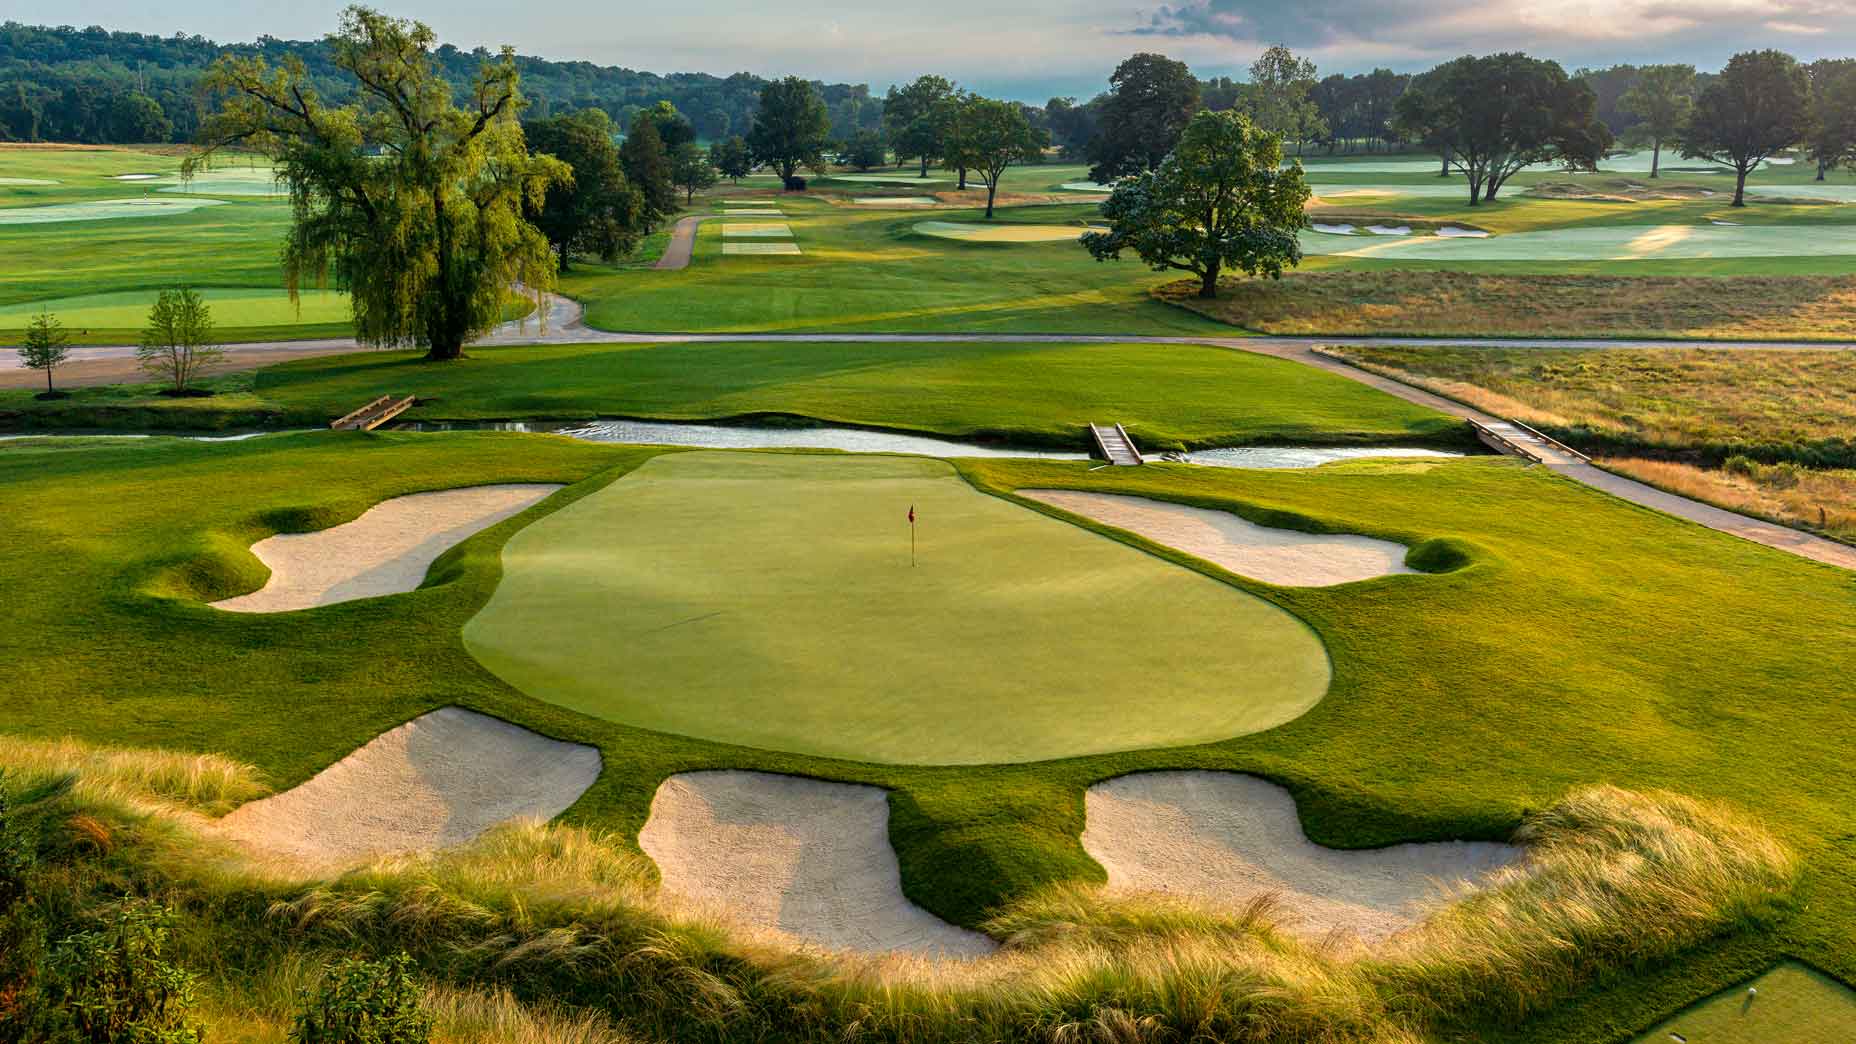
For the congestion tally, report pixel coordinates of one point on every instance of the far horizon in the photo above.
(1041, 49)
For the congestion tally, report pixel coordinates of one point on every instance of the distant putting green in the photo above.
(230, 182)
(886, 179)
(128, 309)
(769, 600)
(26, 181)
(1793, 1004)
(102, 210)
(1001, 233)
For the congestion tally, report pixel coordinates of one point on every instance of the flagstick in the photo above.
(911, 543)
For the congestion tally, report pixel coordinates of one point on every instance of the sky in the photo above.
(1028, 50)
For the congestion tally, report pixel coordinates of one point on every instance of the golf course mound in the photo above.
(769, 600)
(804, 858)
(967, 233)
(1285, 557)
(439, 780)
(1227, 839)
(385, 551)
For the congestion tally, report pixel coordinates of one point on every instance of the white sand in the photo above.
(26, 181)
(1333, 230)
(385, 551)
(761, 248)
(1226, 838)
(802, 857)
(439, 780)
(1389, 230)
(1274, 556)
(1453, 232)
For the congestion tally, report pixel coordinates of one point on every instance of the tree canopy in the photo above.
(1278, 96)
(418, 206)
(1489, 117)
(1221, 200)
(176, 344)
(1151, 97)
(913, 119)
(1660, 98)
(596, 210)
(46, 347)
(790, 128)
(988, 137)
(691, 170)
(1759, 105)
(647, 166)
(731, 158)
(1832, 139)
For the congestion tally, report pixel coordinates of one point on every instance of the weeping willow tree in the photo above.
(413, 199)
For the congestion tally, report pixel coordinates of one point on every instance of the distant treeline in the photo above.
(95, 86)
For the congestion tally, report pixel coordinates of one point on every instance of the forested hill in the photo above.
(97, 86)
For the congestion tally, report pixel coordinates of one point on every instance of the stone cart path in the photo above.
(565, 326)
(682, 243)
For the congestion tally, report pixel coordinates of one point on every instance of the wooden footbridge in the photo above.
(373, 415)
(1519, 440)
(1113, 443)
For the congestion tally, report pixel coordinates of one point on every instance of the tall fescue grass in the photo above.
(1824, 501)
(140, 779)
(533, 919)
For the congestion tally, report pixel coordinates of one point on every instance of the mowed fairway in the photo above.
(770, 601)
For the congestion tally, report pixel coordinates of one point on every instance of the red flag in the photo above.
(911, 514)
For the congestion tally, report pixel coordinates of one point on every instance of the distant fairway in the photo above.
(128, 309)
(768, 600)
(1605, 243)
(1002, 233)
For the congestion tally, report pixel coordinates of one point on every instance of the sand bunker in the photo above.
(1389, 230)
(437, 781)
(385, 551)
(799, 856)
(760, 248)
(1453, 232)
(103, 210)
(1086, 186)
(1002, 233)
(895, 201)
(137, 177)
(1333, 230)
(757, 230)
(888, 179)
(1274, 556)
(27, 181)
(1227, 838)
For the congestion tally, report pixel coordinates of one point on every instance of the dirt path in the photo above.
(682, 243)
(565, 327)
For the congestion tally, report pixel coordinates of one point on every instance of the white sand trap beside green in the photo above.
(1331, 229)
(232, 306)
(762, 249)
(808, 859)
(1609, 243)
(1085, 186)
(757, 230)
(1002, 233)
(1453, 232)
(1337, 165)
(232, 182)
(1286, 557)
(385, 551)
(102, 210)
(887, 179)
(26, 182)
(1226, 839)
(1389, 230)
(895, 201)
(438, 781)
(1441, 189)
(138, 177)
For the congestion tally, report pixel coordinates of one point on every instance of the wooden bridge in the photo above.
(1113, 443)
(373, 415)
(1518, 440)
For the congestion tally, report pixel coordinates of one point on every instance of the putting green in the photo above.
(103, 210)
(768, 600)
(238, 306)
(1002, 233)
(885, 179)
(1795, 1004)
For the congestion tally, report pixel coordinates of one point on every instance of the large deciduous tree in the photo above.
(1277, 96)
(866, 149)
(1151, 98)
(417, 205)
(912, 119)
(1832, 139)
(790, 128)
(1492, 116)
(990, 136)
(691, 169)
(1758, 105)
(1660, 98)
(732, 158)
(647, 166)
(1221, 200)
(596, 211)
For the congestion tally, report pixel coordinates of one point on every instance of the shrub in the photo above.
(365, 1002)
(115, 983)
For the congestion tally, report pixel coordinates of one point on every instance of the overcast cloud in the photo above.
(1028, 49)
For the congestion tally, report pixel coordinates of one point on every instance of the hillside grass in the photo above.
(1385, 301)
(1168, 396)
(1563, 653)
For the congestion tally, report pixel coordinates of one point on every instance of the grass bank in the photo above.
(1420, 302)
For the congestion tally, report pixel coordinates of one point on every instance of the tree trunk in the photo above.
(563, 252)
(48, 381)
(1445, 172)
(1208, 283)
(992, 190)
(1821, 167)
(1740, 186)
(963, 180)
(924, 172)
(1656, 156)
(451, 348)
